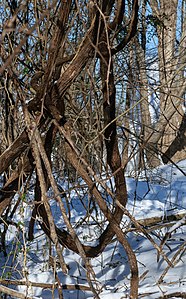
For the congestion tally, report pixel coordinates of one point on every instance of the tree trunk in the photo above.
(166, 17)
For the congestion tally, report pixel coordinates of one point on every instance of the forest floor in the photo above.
(156, 195)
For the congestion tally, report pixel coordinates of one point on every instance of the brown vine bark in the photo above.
(94, 42)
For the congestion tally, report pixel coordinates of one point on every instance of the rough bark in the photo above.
(147, 155)
(166, 16)
(13, 151)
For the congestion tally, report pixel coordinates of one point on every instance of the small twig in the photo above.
(171, 230)
(173, 261)
(137, 225)
(143, 275)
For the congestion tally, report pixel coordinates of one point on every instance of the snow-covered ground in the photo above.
(158, 193)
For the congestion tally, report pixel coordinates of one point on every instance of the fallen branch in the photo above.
(13, 293)
(54, 285)
(160, 219)
(171, 295)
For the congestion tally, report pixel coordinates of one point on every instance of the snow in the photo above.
(155, 193)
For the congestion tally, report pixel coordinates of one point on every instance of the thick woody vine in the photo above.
(47, 109)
